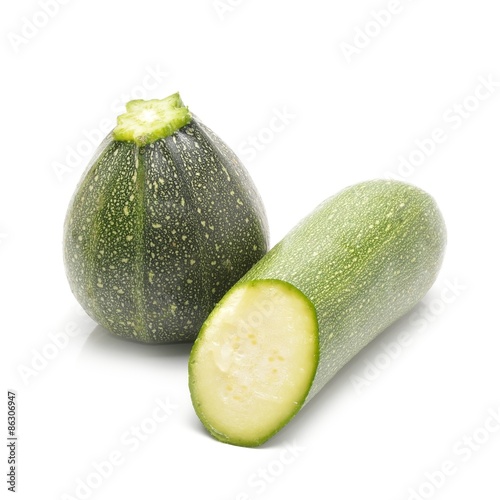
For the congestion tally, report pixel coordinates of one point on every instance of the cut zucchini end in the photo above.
(254, 361)
(147, 121)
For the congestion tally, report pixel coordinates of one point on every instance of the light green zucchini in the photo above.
(356, 264)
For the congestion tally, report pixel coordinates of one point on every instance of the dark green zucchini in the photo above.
(164, 221)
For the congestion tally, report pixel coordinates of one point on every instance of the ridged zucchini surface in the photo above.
(164, 221)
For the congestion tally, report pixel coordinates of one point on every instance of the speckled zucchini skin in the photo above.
(156, 234)
(363, 258)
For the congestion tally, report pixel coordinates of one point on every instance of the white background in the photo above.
(350, 118)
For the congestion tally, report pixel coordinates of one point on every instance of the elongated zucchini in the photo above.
(360, 261)
(164, 221)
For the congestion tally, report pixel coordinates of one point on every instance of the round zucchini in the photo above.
(164, 221)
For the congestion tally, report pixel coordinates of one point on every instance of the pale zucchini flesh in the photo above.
(257, 361)
(361, 260)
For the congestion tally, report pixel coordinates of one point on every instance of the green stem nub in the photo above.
(147, 121)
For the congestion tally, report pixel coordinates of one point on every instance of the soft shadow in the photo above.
(194, 423)
(102, 342)
(316, 406)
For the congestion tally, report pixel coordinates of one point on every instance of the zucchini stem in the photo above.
(145, 122)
